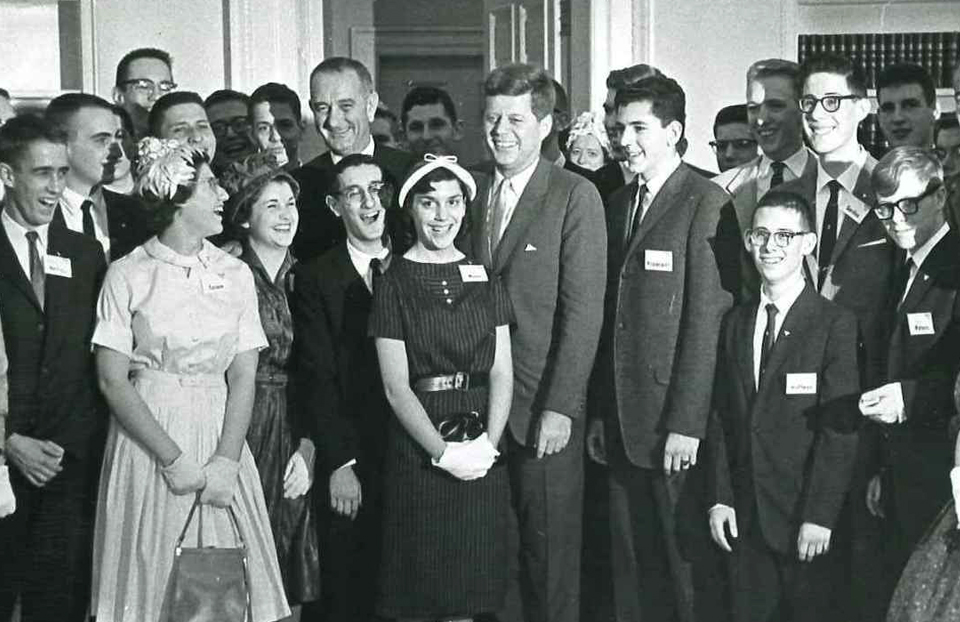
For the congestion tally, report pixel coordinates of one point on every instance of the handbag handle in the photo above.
(193, 510)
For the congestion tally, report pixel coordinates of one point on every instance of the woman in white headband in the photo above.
(442, 335)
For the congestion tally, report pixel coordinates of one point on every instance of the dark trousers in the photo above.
(770, 586)
(547, 498)
(45, 547)
(349, 556)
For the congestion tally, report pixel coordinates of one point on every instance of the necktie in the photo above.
(86, 208)
(828, 235)
(36, 267)
(376, 271)
(902, 278)
(498, 207)
(769, 337)
(636, 211)
(777, 178)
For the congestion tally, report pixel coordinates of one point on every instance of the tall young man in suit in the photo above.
(339, 384)
(344, 102)
(540, 228)
(49, 281)
(669, 249)
(779, 470)
(94, 150)
(911, 401)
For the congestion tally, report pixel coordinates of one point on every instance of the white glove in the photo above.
(184, 475)
(296, 479)
(468, 460)
(883, 404)
(8, 503)
(955, 484)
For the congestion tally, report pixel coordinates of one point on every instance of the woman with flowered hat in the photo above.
(177, 340)
(262, 214)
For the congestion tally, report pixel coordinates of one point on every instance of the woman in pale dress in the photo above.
(177, 341)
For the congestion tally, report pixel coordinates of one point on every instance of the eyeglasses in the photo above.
(830, 103)
(908, 205)
(759, 237)
(147, 87)
(380, 190)
(239, 125)
(738, 143)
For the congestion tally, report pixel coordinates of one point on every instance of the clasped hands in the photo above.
(217, 480)
(883, 404)
(813, 539)
(468, 460)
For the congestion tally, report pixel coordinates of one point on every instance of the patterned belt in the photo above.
(277, 377)
(460, 381)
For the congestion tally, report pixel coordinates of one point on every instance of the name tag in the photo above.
(58, 266)
(920, 323)
(213, 283)
(857, 211)
(473, 274)
(802, 384)
(660, 261)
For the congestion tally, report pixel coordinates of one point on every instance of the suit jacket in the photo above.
(608, 178)
(52, 381)
(320, 229)
(919, 451)
(126, 223)
(661, 323)
(551, 260)
(775, 451)
(338, 375)
(859, 274)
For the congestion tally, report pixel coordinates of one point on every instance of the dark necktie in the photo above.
(902, 278)
(636, 210)
(36, 267)
(828, 235)
(376, 271)
(86, 208)
(769, 337)
(777, 178)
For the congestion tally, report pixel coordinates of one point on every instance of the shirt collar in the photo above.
(518, 181)
(654, 185)
(368, 150)
(71, 200)
(787, 298)
(920, 254)
(14, 228)
(796, 162)
(158, 250)
(848, 178)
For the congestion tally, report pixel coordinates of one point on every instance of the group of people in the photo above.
(389, 366)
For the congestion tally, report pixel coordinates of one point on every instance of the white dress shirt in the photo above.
(783, 304)
(846, 201)
(361, 262)
(368, 150)
(919, 255)
(653, 186)
(793, 169)
(510, 192)
(70, 202)
(17, 235)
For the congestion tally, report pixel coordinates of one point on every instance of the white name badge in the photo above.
(802, 384)
(857, 211)
(58, 266)
(473, 274)
(920, 323)
(213, 283)
(661, 261)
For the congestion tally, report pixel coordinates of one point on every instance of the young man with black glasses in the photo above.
(144, 75)
(733, 143)
(909, 405)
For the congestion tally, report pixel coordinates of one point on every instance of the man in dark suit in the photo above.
(540, 228)
(779, 470)
(343, 103)
(340, 387)
(911, 402)
(94, 137)
(49, 281)
(669, 251)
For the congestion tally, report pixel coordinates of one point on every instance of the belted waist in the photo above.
(459, 381)
(182, 380)
(273, 377)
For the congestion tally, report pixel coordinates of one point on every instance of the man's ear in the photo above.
(675, 130)
(6, 174)
(863, 108)
(545, 125)
(458, 130)
(373, 100)
(333, 205)
(808, 243)
(117, 95)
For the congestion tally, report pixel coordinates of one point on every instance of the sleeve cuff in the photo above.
(347, 464)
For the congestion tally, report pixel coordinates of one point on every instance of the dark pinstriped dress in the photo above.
(444, 549)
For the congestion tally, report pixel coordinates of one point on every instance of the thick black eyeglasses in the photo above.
(737, 143)
(907, 205)
(239, 125)
(830, 103)
(759, 237)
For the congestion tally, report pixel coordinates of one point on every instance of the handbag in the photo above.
(461, 427)
(207, 584)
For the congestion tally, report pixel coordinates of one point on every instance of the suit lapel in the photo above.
(665, 199)
(940, 265)
(745, 327)
(862, 191)
(745, 196)
(478, 215)
(56, 288)
(799, 315)
(11, 269)
(528, 208)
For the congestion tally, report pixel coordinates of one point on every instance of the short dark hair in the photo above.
(730, 114)
(945, 122)
(226, 95)
(900, 74)
(519, 79)
(776, 67)
(4, 93)
(665, 95)
(350, 161)
(274, 92)
(340, 64)
(425, 184)
(791, 201)
(62, 109)
(622, 78)
(124, 65)
(167, 102)
(839, 65)
(426, 96)
(160, 211)
(126, 122)
(20, 132)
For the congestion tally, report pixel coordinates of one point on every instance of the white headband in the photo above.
(432, 162)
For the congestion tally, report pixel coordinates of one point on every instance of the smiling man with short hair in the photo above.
(907, 105)
(143, 76)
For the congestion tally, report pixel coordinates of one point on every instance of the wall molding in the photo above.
(428, 41)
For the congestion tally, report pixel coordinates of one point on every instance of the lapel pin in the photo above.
(529, 248)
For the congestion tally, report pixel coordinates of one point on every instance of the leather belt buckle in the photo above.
(461, 381)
